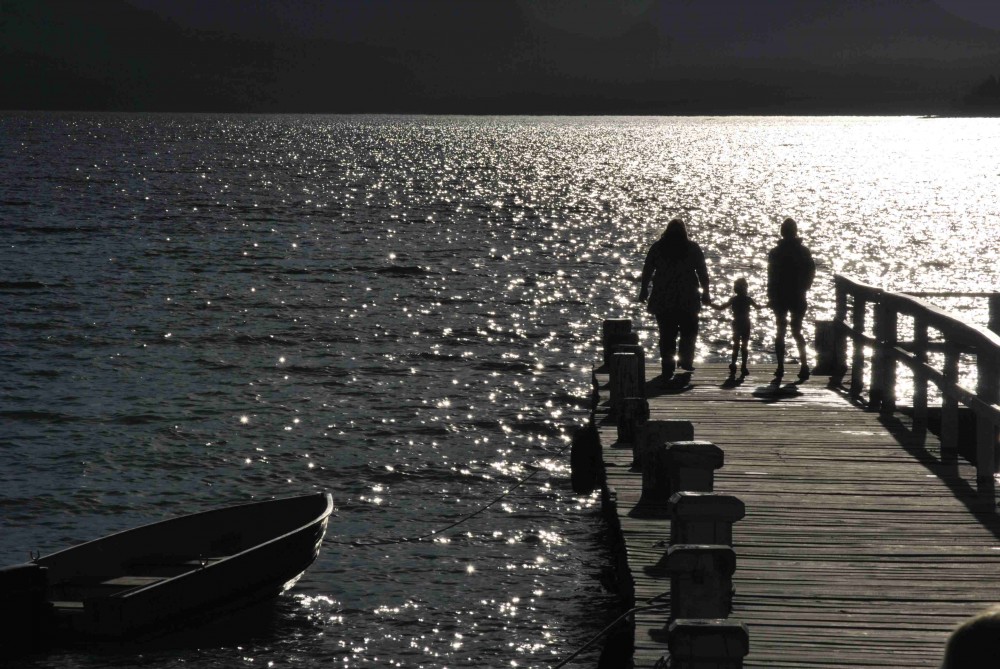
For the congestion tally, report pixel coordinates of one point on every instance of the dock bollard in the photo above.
(692, 465)
(624, 381)
(703, 517)
(658, 432)
(615, 331)
(720, 644)
(634, 413)
(640, 352)
(585, 459)
(655, 482)
(701, 580)
(657, 477)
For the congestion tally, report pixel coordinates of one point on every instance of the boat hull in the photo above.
(163, 575)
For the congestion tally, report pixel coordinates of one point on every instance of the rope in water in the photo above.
(647, 607)
(360, 543)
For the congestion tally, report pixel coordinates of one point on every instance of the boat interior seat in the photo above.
(68, 606)
(133, 581)
(167, 566)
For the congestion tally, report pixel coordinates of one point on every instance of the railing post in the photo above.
(949, 406)
(858, 361)
(825, 341)
(883, 389)
(875, 387)
(920, 341)
(988, 389)
(839, 332)
(994, 324)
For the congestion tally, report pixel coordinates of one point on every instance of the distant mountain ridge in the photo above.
(545, 56)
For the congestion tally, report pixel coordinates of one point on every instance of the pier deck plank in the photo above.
(860, 547)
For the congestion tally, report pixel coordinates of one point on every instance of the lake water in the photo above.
(404, 311)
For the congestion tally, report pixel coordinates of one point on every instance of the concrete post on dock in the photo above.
(673, 467)
(654, 443)
(653, 434)
(640, 354)
(703, 517)
(701, 580)
(615, 332)
(623, 381)
(692, 465)
(632, 420)
(701, 644)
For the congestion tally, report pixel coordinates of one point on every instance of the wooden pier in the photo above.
(863, 543)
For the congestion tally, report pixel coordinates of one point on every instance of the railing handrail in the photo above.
(948, 293)
(965, 335)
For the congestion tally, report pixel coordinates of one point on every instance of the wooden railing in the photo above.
(934, 331)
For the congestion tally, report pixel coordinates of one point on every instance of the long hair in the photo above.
(675, 240)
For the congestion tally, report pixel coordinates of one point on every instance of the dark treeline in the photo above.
(500, 56)
(984, 95)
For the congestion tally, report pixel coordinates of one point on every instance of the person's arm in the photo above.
(702, 271)
(753, 303)
(647, 275)
(725, 305)
(772, 284)
(810, 267)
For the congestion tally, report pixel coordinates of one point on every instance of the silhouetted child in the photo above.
(740, 304)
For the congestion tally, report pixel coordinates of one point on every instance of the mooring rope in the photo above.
(607, 629)
(359, 543)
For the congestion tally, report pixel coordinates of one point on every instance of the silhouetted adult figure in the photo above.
(790, 273)
(676, 267)
(975, 643)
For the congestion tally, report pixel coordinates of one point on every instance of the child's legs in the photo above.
(744, 345)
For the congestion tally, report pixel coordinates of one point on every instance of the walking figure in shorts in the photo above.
(790, 273)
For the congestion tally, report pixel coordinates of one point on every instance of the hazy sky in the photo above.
(983, 12)
(577, 56)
